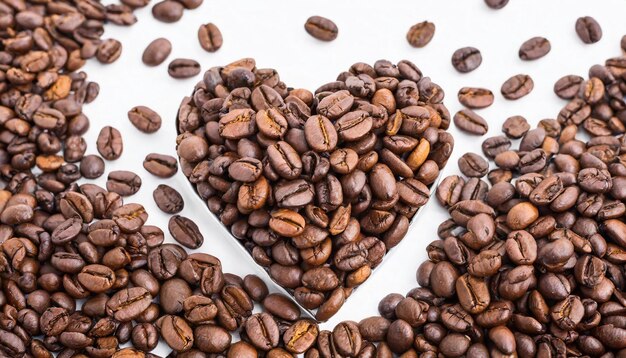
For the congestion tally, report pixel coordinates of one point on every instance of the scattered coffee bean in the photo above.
(420, 34)
(517, 87)
(496, 4)
(91, 166)
(471, 122)
(534, 48)
(473, 97)
(109, 51)
(466, 59)
(109, 143)
(567, 87)
(144, 119)
(157, 52)
(160, 165)
(321, 28)
(210, 37)
(182, 67)
(588, 29)
(515, 127)
(168, 11)
(168, 199)
(123, 182)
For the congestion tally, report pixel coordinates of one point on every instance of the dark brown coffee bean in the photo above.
(473, 165)
(185, 232)
(160, 165)
(182, 67)
(91, 167)
(168, 11)
(588, 29)
(321, 28)
(568, 86)
(157, 52)
(210, 37)
(420, 34)
(517, 87)
(472, 97)
(300, 336)
(109, 51)
(123, 182)
(109, 143)
(127, 304)
(534, 48)
(168, 199)
(496, 4)
(320, 134)
(471, 122)
(515, 127)
(144, 119)
(466, 59)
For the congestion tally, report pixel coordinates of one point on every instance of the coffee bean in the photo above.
(109, 143)
(182, 67)
(185, 231)
(160, 165)
(144, 119)
(475, 97)
(210, 37)
(109, 51)
(420, 34)
(123, 182)
(321, 28)
(466, 59)
(300, 336)
(517, 87)
(91, 166)
(127, 304)
(568, 86)
(157, 52)
(168, 199)
(534, 48)
(176, 333)
(470, 122)
(515, 127)
(588, 29)
(496, 4)
(168, 11)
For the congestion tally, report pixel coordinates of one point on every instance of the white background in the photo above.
(272, 32)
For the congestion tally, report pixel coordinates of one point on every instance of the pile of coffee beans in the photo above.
(532, 259)
(317, 187)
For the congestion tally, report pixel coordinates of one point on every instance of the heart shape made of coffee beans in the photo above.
(317, 187)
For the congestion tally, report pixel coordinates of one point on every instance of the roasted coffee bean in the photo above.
(466, 59)
(185, 232)
(567, 87)
(517, 87)
(168, 199)
(144, 119)
(109, 51)
(588, 29)
(515, 127)
(157, 52)
(321, 28)
(91, 167)
(168, 11)
(496, 4)
(109, 143)
(475, 97)
(471, 122)
(210, 37)
(160, 165)
(473, 165)
(534, 48)
(182, 67)
(420, 34)
(127, 304)
(123, 182)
